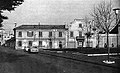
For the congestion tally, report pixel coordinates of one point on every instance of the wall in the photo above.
(55, 39)
(112, 40)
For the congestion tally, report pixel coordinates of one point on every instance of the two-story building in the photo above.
(75, 29)
(48, 36)
(77, 38)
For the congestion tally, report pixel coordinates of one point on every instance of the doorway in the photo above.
(50, 44)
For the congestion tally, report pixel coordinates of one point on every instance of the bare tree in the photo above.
(88, 33)
(103, 18)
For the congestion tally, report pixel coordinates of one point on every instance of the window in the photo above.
(71, 33)
(60, 44)
(40, 43)
(80, 25)
(0, 35)
(80, 34)
(19, 34)
(40, 34)
(19, 43)
(50, 34)
(30, 43)
(30, 33)
(60, 34)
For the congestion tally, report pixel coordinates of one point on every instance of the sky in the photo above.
(49, 12)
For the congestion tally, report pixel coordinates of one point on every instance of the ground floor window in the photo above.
(30, 43)
(19, 43)
(40, 43)
(50, 44)
(60, 44)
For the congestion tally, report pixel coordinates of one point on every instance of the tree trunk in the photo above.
(98, 40)
(108, 44)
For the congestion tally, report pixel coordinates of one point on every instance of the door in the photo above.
(50, 44)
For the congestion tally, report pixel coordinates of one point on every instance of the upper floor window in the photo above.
(20, 34)
(60, 34)
(80, 25)
(71, 33)
(19, 43)
(30, 33)
(80, 33)
(50, 34)
(40, 34)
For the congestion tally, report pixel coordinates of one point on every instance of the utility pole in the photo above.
(39, 33)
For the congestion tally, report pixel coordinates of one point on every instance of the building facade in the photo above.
(112, 40)
(2, 36)
(114, 37)
(77, 37)
(47, 36)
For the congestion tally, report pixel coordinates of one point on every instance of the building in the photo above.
(1, 36)
(77, 37)
(112, 37)
(8, 35)
(47, 36)
(75, 29)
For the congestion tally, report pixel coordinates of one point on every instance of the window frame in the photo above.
(71, 34)
(19, 43)
(80, 33)
(50, 34)
(28, 34)
(80, 25)
(40, 43)
(60, 34)
(40, 34)
(19, 33)
(30, 42)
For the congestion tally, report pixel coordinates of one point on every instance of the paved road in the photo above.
(20, 62)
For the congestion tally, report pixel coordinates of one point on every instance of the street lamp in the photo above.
(116, 10)
(54, 37)
(15, 24)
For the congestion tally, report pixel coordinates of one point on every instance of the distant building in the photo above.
(8, 39)
(48, 36)
(8, 35)
(1, 36)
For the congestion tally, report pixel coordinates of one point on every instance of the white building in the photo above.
(47, 36)
(77, 30)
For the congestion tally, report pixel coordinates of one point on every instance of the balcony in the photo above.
(78, 38)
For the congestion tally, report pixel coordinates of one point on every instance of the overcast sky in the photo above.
(49, 11)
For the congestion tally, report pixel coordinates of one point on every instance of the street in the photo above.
(21, 62)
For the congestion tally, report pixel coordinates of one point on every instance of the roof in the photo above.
(40, 27)
(114, 30)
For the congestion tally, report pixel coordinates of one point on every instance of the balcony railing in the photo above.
(80, 37)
